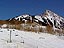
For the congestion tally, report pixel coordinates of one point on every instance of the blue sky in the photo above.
(12, 8)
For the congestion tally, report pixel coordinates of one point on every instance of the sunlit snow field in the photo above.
(24, 39)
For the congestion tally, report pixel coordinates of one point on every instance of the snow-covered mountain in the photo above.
(21, 17)
(54, 19)
(48, 17)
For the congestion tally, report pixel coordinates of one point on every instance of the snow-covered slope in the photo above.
(23, 39)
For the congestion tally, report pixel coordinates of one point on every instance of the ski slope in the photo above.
(24, 39)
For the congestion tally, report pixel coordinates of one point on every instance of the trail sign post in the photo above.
(10, 36)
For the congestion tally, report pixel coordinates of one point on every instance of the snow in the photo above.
(18, 17)
(4, 25)
(43, 27)
(45, 18)
(25, 16)
(39, 18)
(53, 16)
(36, 20)
(24, 39)
(21, 16)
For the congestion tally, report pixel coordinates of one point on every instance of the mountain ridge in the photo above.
(48, 18)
